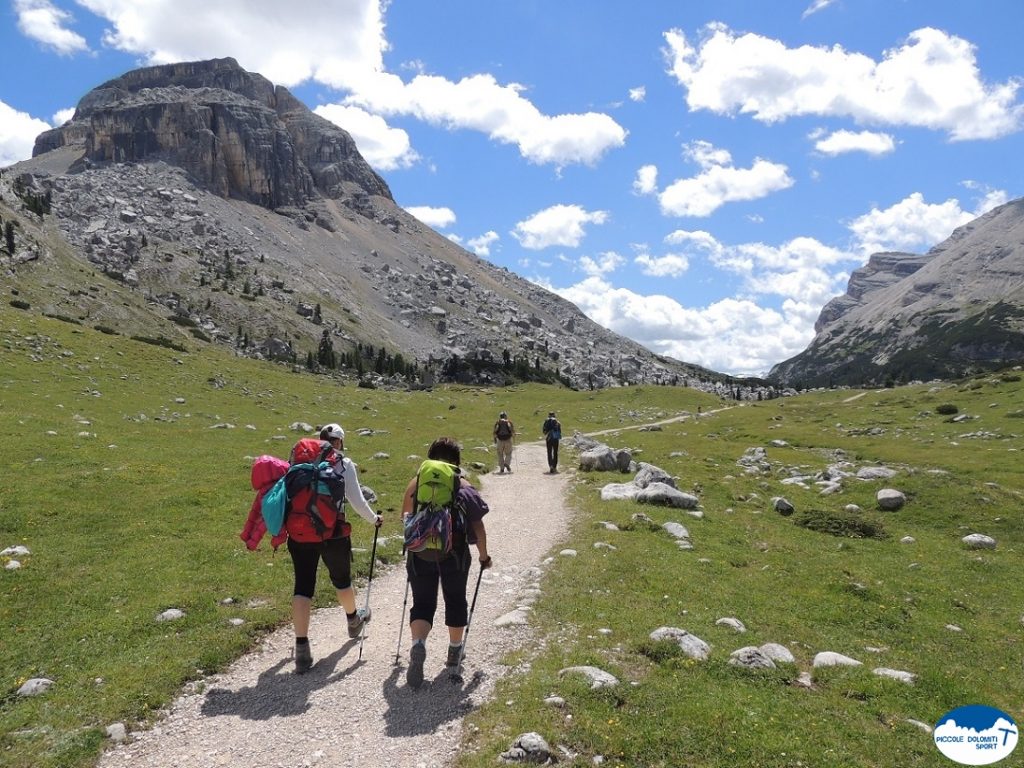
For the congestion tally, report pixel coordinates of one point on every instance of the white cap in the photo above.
(332, 432)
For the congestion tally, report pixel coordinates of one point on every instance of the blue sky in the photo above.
(699, 176)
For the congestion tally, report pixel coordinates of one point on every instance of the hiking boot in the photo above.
(303, 658)
(355, 624)
(455, 656)
(414, 674)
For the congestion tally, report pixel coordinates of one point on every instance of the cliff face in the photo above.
(233, 131)
(955, 310)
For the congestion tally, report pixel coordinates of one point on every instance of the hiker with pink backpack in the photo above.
(304, 506)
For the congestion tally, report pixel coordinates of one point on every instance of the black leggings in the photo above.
(453, 575)
(337, 556)
(552, 453)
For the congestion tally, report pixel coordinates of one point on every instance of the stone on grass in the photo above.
(665, 495)
(979, 541)
(35, 686)
(853, 509)
(890, 499)
(12, 565)
(676, 530)
(15, 551)
(300, 426)
(597, 678)
(651, 474)
(529, 748)
(783, 506)
(875, 473)
(608, 526)
(732, 623)
(619, 492)
(908, 540)
(896, 674)
(750, 657)
(690, 644)
(599, 459)
(778, 652)
(605, 545)
(117, 732)
(833, 659)
(568, 553)
(171, 614)
(555, 701)
(918, 724)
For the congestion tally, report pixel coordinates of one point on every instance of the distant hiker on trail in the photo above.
(552, 430)
(504, 431)
(316, 527)
(443, 515)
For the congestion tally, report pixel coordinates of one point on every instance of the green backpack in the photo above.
(430, 531)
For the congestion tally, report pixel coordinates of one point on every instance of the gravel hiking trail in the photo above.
(344, 712)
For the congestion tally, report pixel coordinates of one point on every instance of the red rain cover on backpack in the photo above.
(266, 470)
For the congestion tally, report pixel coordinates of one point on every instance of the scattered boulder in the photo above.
(690, 644)
(300, 426)
(979, 541)
(833, 659)
(599, 459)
(117, 732)
(875, 473)
(597, 678)
(529, 748)
(35, 686)
(619, 492)
(651, 474)
(890, 499)
(623, 460)
(732, 623)
(171, 614)
(15, 551)
(783, 506)
(908, 540)
(676, 530)
(778, 652)
(667, 496)
(896, 674)
(750, 657)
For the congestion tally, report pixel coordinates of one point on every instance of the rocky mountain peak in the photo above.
(232, 131)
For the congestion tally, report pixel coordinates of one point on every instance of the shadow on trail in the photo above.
(415, 712)
(279, 692)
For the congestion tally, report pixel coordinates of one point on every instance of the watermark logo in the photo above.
(975, 735)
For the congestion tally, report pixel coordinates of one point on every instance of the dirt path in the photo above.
(258, 714)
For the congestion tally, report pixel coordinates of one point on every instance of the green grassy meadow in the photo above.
(121, 479)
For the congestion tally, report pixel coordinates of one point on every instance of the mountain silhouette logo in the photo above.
(975, 735)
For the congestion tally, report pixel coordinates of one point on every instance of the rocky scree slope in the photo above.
(243, 218)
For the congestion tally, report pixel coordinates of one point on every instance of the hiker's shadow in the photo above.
(278, 692)
(415, 712)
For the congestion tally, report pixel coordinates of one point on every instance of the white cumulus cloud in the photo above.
(18, 132)
(481, 245)
(605, 263)
(732, 335)
(872, 143)
(562, 225)
(638, 94)
(669, 265)
(61, 116)
(646, 181)
(438, 218)
(914, 225)
(716, 185)
(480, 103)
(383, 147)
(931, 80)
(286, 47)
(42, 21)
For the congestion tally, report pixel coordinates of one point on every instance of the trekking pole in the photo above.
(369, 582)
(401, 620)
(457, 672)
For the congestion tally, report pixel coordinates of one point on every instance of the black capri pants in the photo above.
(337, 556)
(453, 575)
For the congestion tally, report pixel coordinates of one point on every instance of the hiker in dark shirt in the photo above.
(552, 430)
(504, 432)
(451, 572)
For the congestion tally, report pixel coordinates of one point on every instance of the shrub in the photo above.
(946, 409)
(19, 304)
(849, 525)
(105, 329)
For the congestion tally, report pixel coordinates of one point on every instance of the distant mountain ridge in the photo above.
(955, 310)
(223, 209)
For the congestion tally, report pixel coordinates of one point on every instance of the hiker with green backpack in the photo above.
(443, 516)
(319, 482)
